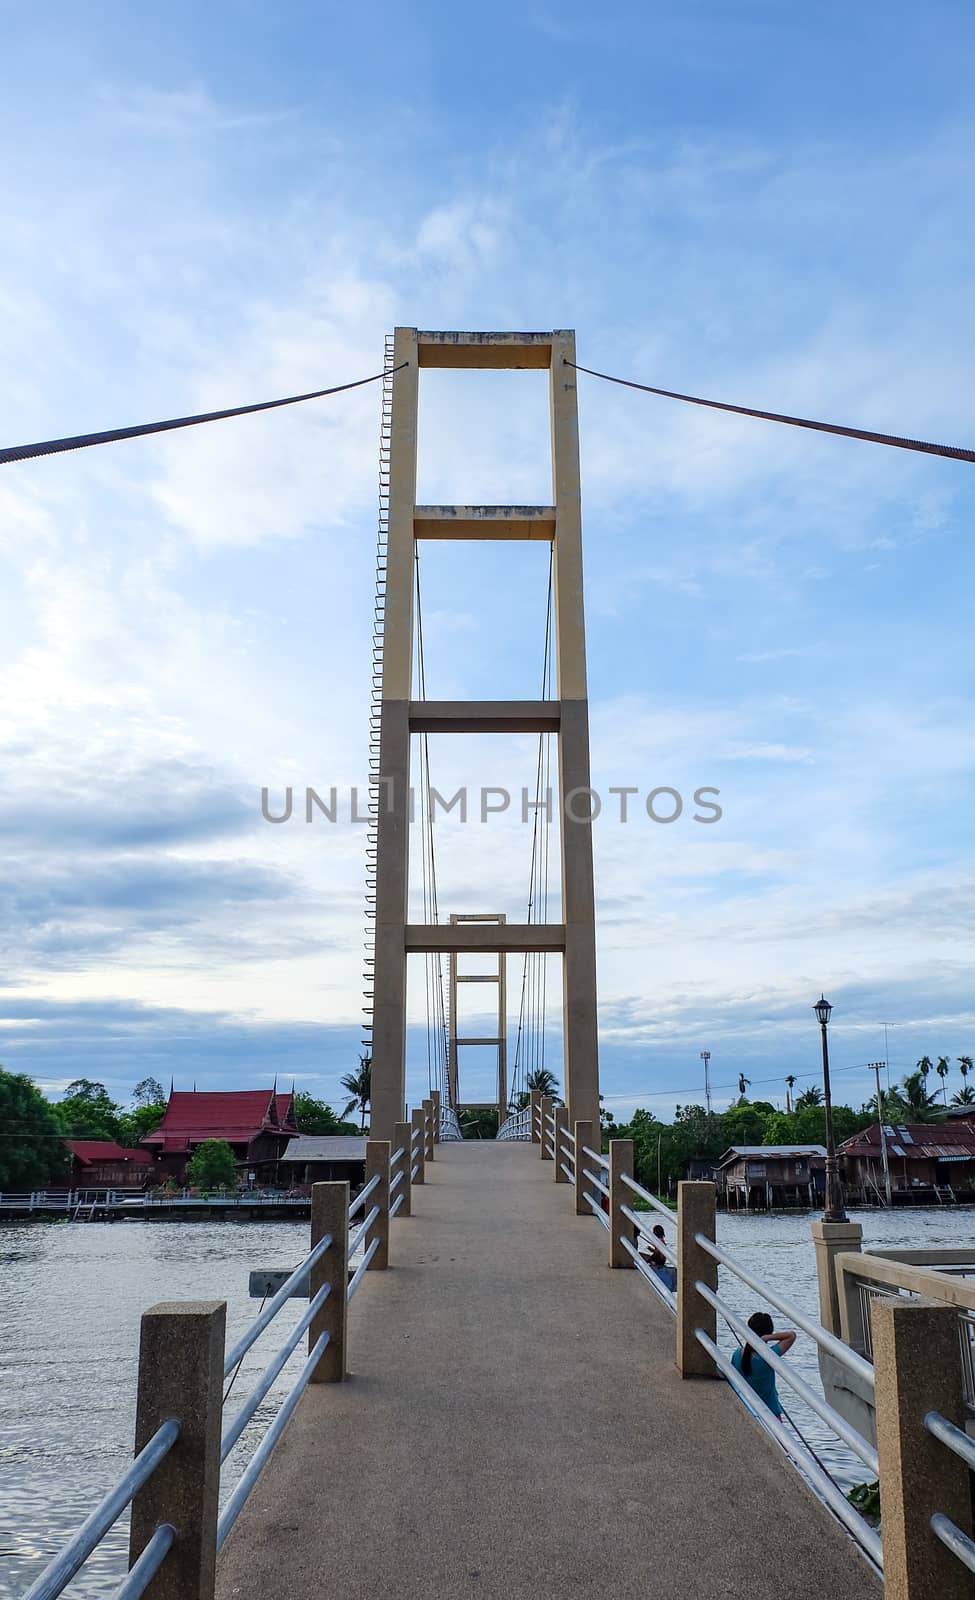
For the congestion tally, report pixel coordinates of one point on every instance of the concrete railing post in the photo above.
(428, 1151)
(330, 1214)
(535, 1102)
(561, 1124)
(620, 1162)
(916, 1367)
(546, 1108)
(418, 1146)
(181, 1375)
(377, 1166)
(402, 1133)
(583, 1133)
(831, 1239)
(695, 1214)
(435, 1097)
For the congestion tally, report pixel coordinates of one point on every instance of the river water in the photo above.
(73, 1296)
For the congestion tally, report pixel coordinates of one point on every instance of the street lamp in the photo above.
(834, 1210)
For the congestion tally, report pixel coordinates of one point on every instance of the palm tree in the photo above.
(964, 1097)
(924, 1067)
(359, 1086)
(545, 1082)
(964, 1067)
(919, 1106)
(743, 1083)
(790, 1084)
(812, 1096)
(942, 1069)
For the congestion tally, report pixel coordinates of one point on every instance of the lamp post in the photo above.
(706, 1057)
(834, 1210)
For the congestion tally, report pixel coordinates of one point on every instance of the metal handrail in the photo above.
(955, 1438)
(274, 1305)
(397, 1155)
(363, 1196)
(843, 1429)
(570, 1155)
(569, 1134)
(145, 1567)
(356, 1277)
(595, 1181)
(59, 1572)
(256, 1464)
(827, 1341)
(570, 1175)
(394, 1208)
(645, 1194)
(645, 1269)
(550, 1119)
(394, 1183)
(658, 1244)
(597, 1210)
(362, 1230)
(954, 1539)
(603, 1160)
(414, 1170)
(868, 1538)
(271, 1371)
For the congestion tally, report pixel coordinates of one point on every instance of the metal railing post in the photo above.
(181, 1353)
(330, 1214)
(419, 1147)
(435, 1097)
(377, 1166)
(583, 1133)
(534, 1105)
(620, 1162)
(402, 1133)
(695, 1214)
(561, 1124)
(546, 1108)
(915, 1357)
(428, 1151)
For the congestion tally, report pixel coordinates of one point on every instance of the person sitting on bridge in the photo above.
(758, 1373)
(658, 1261)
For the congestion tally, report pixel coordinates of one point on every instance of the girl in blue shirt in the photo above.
(758, 1373)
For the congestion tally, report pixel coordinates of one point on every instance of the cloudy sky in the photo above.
(212, 206)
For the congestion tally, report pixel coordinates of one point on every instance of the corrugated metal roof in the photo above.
(772, 1150)
(921, 1141)
(326, 1147)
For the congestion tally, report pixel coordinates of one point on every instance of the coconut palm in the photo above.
(924, 1067)
(743, 1084)
(790, 1084)
(916, 1103)
(964, 1097)
(545, 1082)
(942, 1069)
(813, 1096)
(359, 1086)
(964, 1067)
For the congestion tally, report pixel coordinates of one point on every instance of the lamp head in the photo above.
(822, 1009)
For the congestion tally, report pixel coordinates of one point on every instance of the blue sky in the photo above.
(217, 205)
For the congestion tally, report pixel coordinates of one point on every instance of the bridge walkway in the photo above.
(514, 1427)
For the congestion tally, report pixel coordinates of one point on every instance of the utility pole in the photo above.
(706, 1057)
(880, 1118)
(887, 1054)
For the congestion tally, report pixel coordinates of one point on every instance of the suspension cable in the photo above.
(954, 452)
(81, 441)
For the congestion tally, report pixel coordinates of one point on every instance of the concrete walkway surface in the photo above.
(514, 1427)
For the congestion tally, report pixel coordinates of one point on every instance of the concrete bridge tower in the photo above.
(568, 715)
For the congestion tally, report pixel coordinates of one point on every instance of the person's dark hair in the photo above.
(658, 1230)
(761, 1323)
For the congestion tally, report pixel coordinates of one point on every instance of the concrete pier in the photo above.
(514, 1427)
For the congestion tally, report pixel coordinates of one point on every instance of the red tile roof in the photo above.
(286, 1110)
(89, 1150)
(237, 1115)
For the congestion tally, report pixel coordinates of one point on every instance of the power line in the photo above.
(955, 452)
(81, 441)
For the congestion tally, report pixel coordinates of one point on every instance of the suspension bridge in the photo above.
(499, 1414)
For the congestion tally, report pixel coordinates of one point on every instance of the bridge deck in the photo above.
(514, 1427)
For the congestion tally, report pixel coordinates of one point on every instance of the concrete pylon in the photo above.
(499, 1039)
(560, 524)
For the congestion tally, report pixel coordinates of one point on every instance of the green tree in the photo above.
(135, 1123)
(87, 1111)
(813, 1096)
(545, 1082)
(964, 1067)
(314, 1116)
(924, 1067)
(32, 1150)
(964, 1097)
(743, 1084)
(912, 1102)
(359, 1086)
(479, 1124)
(942, 1069)
(212, 1166)
(149, 1092)
(790, 1084)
